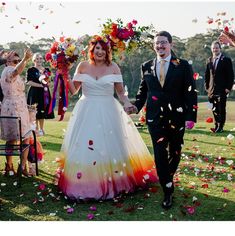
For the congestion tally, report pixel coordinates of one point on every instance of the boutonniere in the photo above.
(175, 62)
(222, 57)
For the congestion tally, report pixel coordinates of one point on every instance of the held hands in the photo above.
(189, 124)
(131, 109)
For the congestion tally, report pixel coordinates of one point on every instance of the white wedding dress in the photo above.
(103, 153)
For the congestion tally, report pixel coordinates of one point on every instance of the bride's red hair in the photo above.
(105, 46)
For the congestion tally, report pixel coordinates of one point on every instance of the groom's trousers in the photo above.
(167, 145)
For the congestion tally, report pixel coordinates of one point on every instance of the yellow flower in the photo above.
(133, 44)
(70, 50)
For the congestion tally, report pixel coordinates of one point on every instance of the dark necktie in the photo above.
(214, 64)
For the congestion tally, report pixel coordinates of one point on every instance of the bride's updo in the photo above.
(105, 46)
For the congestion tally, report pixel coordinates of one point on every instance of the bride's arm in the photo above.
(74, 86)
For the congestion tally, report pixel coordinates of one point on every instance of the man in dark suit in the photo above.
(168, 86)
(219, 79)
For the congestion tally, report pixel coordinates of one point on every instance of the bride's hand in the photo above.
(131, 110)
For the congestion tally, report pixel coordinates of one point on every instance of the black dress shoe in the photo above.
(219, 130)
(167, 202)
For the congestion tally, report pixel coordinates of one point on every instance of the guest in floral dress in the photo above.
(14, 104)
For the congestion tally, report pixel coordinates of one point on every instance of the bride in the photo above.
(102, 154)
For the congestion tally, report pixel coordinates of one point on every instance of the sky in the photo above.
(31, 20)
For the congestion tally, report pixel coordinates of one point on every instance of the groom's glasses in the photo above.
(161, 42)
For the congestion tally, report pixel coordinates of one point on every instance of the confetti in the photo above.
(70, 210)
(79, 175)
(90, 216)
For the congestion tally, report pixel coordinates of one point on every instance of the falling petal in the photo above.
(226, 190)
(90, 216)
(70, 210)
(93, 208)
(79, 175)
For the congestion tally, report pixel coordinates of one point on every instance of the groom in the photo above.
(168, 86)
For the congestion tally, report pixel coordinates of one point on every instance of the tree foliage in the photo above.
(196, 49)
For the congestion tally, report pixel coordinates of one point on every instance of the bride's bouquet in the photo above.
(61, 56)
(126, 37)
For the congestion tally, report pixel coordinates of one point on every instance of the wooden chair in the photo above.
(18, 149)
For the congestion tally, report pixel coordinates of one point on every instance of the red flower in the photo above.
(226, 29)
(54, 47)
(142, 119)
(129, 25)
(48, 56)
(196, 76)
(90, 142)
(209, 120)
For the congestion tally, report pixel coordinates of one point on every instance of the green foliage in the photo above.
(196, 49)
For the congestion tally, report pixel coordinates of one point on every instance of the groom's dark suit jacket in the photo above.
(173, 103)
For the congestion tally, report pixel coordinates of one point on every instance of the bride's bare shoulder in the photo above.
(82, 66)
(115, 68)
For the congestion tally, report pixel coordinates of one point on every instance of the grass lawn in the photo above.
(205, 187)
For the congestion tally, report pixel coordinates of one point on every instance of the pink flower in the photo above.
(93, 208)
(129, 25)
(190, 210)
(90, 216)
(134, 22)
(41, 187)
(48, 56)
(226, 190)
(70, 210)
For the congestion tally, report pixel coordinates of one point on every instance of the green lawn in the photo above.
(205, 183)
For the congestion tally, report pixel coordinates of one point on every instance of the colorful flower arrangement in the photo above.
(61, 56)
(124, 37)
(226, 26)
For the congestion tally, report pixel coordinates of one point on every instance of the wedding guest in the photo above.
(3, 59)
(219, 78)
(103, 154)
(167, 85)
(14, 104)
(39, 93)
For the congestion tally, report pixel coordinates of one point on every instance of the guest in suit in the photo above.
(219, 79)
(168, 86)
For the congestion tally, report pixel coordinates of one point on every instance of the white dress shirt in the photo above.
(166, 66)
